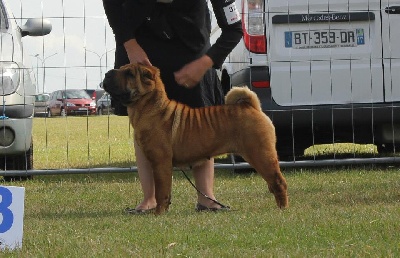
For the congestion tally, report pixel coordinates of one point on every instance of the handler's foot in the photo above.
(139, 211)
(145, 207)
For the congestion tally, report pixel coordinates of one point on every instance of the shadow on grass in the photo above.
(130, 176)
(74, 214)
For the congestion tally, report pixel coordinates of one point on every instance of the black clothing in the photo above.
(172, 35)
(174, 54)
(185, 18)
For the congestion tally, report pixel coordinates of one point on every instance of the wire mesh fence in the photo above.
(328, 77)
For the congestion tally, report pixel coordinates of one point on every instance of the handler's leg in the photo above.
(204, 179)
(146, 180)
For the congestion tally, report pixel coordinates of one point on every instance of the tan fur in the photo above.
(242, 94)
(173, 134)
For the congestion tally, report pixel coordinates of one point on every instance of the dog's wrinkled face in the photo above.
(130, 82)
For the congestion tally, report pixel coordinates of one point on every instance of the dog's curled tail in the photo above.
(242, 94)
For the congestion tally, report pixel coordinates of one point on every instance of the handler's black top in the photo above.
(174, 33)
(185, 19)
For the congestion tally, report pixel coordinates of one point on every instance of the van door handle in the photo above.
(392, 9)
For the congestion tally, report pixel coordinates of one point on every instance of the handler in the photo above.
(174, 35)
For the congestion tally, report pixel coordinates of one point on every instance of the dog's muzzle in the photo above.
(111, 86)
(108, 82)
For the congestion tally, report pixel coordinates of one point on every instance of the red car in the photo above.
(70, 102)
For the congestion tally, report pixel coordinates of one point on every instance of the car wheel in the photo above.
(289, 148)
(388, 148)
(100, 111)
(286, 152)
(63, 112)
(18, 162)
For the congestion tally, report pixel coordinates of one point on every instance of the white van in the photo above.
(325, 71)
(17, 91)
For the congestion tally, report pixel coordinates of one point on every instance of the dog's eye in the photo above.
(128, 74)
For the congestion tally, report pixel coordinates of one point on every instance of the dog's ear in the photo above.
(142, 80)
(149, 73)
(146, 74)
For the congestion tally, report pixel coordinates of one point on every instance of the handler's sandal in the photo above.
(201, 207)
(139, 211)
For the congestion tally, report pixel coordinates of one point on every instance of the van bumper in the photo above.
(17, 111)
(16, 122)
(358, 123)
(81, 111)
(21, 129)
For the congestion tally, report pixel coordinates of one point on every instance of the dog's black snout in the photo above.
(109, 74)
(111, 85)
(107, 79)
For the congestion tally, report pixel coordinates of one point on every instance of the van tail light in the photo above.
(253, 26)
(260, 84)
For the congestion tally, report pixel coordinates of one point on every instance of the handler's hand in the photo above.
(191, 74)
(136, 53)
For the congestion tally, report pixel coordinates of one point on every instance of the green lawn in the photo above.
(352, 212)
(82, 142)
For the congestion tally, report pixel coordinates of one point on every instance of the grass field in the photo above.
(82, 142)
(350, 212)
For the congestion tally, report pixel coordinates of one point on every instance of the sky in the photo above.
(70, 56)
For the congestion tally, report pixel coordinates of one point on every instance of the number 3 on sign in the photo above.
(8, 216)
(11, 216)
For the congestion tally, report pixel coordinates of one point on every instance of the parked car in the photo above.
(17, 91)
(325, 72)
(104, 105)
(95, 94)
(70, 102)
(41, 104)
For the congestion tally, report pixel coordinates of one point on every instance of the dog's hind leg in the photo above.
(268, 167)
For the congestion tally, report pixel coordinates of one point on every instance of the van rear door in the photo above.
(391, 49)
(326, 52)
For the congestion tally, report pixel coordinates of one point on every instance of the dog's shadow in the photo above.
(75, 214)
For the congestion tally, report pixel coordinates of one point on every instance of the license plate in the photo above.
(324, 38)
(85, 109)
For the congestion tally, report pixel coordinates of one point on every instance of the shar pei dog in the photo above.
(173, 134)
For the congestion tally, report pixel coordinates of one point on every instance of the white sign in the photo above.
(231, 13)
(11, 216)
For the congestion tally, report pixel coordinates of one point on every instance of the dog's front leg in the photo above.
(163, 184)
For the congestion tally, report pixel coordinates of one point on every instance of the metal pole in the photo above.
(283, 164)
(44, 69)
(100, 58)
(37, 71)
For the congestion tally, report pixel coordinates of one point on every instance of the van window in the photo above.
(77, 94)
(59, 95)
(41, 98)
(3, 19)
